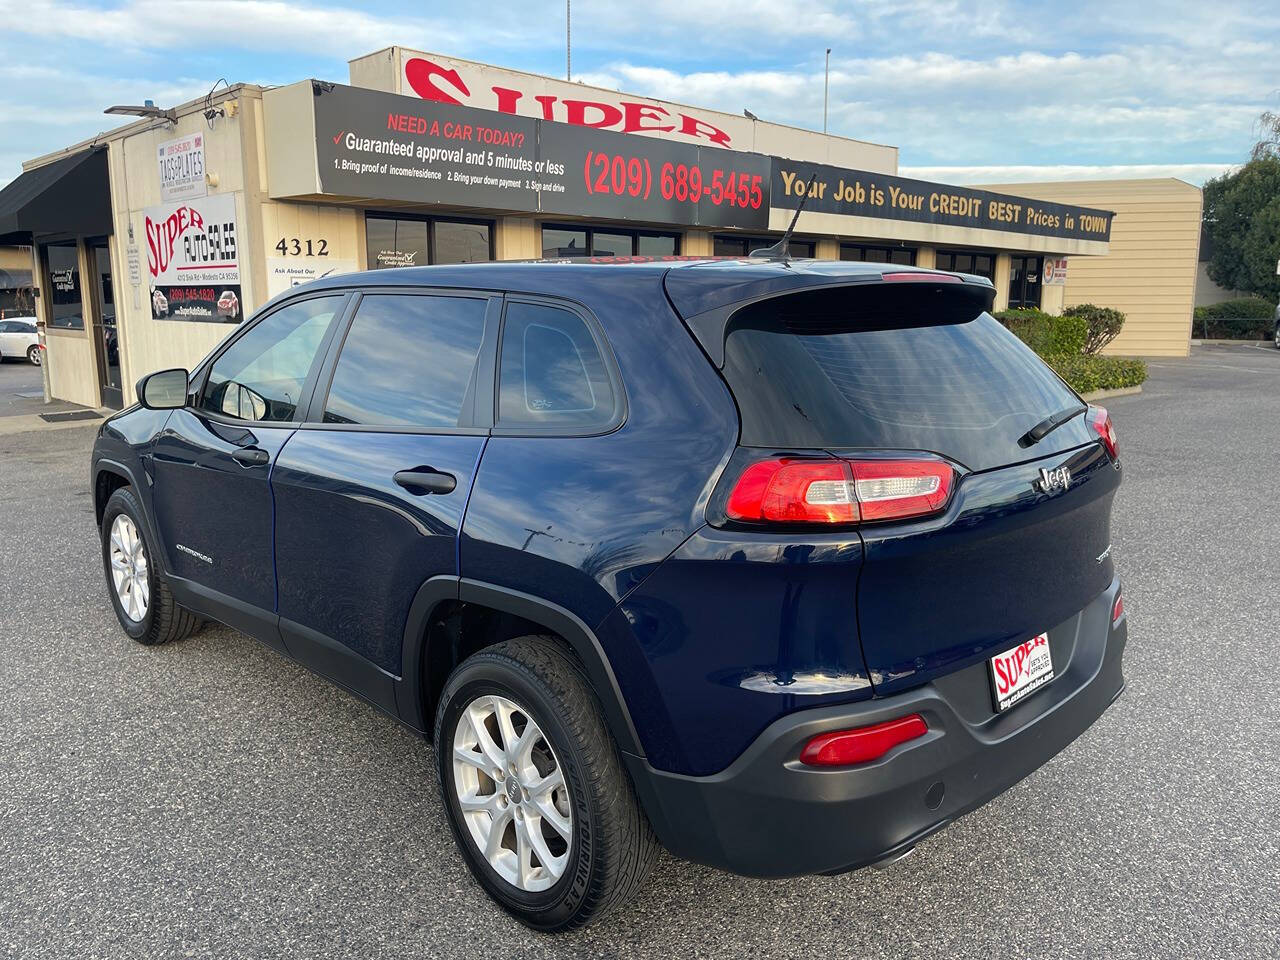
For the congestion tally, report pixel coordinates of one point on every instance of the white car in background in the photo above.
(18, 339)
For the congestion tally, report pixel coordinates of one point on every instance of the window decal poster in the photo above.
(193, 260)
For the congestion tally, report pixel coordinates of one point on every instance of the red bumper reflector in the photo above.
(1117, 611)
(842, 748)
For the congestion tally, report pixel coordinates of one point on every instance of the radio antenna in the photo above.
(782, 249)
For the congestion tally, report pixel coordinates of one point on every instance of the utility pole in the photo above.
(568, 45)
(826, 87)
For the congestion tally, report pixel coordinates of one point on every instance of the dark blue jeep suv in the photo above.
(783, 565)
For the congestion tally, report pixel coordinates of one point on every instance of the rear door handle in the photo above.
(422, 480)
(250, 456)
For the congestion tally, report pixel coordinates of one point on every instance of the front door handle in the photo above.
(422, 480)
(250, 456)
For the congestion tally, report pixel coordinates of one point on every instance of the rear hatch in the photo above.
(902, 371)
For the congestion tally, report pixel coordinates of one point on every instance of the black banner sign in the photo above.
(389, 147)
(861, 194)
(372, 144)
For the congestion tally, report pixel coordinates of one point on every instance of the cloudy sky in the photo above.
(995, 90)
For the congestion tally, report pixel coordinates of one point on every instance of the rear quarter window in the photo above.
(553, 372)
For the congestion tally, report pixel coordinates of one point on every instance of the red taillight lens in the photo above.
(843, 748)
(1117, 610)
(897, 489)
(1100, 420)
(794, 491)
(787, 490)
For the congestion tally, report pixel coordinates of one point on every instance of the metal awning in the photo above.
(71, 195)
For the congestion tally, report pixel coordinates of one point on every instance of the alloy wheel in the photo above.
(129, 568)
(511, 790)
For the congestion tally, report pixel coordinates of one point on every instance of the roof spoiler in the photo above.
(948, 298)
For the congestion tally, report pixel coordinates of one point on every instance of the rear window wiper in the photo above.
(1048, 425)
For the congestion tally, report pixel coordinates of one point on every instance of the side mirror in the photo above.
(164, 390)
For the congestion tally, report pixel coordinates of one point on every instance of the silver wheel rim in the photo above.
(128, 559)
(510, 788)
(34, 356)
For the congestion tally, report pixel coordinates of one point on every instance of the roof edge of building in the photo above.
(231, 92)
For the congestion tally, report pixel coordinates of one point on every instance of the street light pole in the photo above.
(826, 86)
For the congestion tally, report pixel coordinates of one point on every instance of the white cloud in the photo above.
(1195, 173)
(249, 24)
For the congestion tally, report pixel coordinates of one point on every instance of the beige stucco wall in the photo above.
(231, 158)
(1150, 271)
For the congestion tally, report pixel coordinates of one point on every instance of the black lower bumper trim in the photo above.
(768, 815)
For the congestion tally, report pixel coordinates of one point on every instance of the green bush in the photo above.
(1088, 372)
(1245, 307)
(1045, 333)
(1102, 324)
(1248, 318)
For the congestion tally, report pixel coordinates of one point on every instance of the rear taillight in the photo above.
(843, 748)
(789, 490)
(1100, 420)
(794, 491)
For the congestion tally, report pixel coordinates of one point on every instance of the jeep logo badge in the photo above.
(1054, 481)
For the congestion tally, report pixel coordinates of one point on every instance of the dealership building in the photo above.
(148, 241)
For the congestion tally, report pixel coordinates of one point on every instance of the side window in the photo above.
(552, 373)
(408, 361)
(261, 375)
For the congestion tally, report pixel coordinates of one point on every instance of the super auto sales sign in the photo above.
(193, 260)
(373, 144)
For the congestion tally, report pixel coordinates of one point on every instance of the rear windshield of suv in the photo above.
(889, 368)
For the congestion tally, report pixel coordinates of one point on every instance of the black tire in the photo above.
(33, 354)
(164, 620)
(613, 847)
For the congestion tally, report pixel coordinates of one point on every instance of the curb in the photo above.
(30, 423)
(1264, 341)
(1104, 394)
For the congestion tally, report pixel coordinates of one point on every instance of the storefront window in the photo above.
(735, 246)
(905, 256)
(560, 242)
(611, 244)
(657, 245)
(963, 261)
(418, 241)
(62, 281)
(459, 242)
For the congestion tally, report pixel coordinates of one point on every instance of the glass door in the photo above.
(1024, 282)
(105, 330)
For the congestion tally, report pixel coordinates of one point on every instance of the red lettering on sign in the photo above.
(162, 237)
(576, 113)
(421, 75)
(507, 99)
(636, 113)
(693, 127)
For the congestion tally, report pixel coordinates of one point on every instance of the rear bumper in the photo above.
(768, 815)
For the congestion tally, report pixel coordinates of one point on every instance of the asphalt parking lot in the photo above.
(210, 799)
